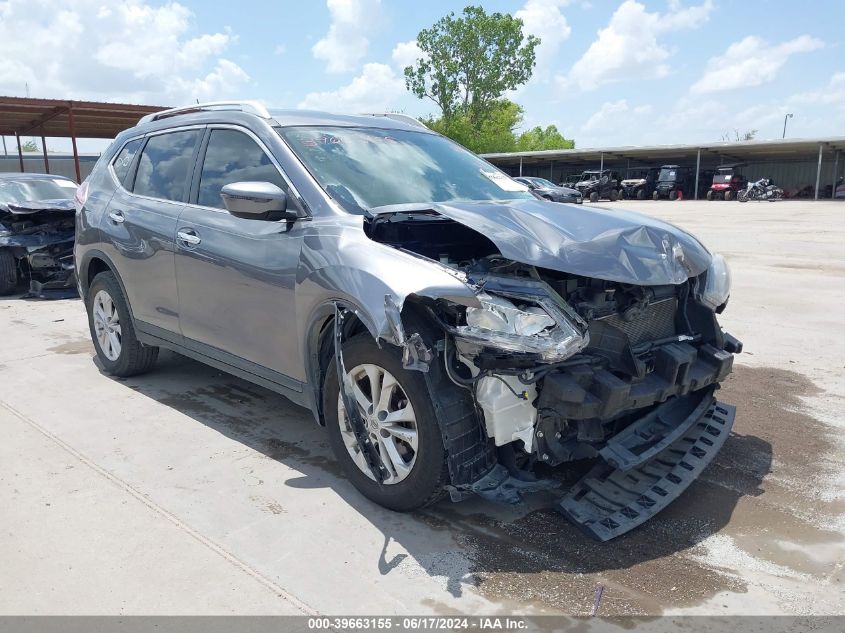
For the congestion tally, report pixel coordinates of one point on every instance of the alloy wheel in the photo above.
(107, 325)
(389, 418)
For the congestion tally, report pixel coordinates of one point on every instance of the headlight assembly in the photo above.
(539, 329)
(717, 284)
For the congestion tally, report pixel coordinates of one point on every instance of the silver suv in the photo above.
(448, 328)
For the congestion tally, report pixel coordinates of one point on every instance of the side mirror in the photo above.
(256, 201)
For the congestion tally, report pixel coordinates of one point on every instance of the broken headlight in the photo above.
(540, 329)
(717, 283)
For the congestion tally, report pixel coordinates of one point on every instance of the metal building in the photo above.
(812, 166)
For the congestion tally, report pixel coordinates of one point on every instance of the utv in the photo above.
(595, 185)
(640, 184)
(673, 182)
(727, 183)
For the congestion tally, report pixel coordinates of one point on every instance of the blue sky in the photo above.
(609, 73)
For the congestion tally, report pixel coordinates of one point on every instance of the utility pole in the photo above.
(788, 116)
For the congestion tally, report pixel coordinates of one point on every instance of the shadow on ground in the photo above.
(527, 553)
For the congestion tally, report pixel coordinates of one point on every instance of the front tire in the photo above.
(614, 196)
(8, 271)
(641, 194)
(594, 197)
(655, 196)
(112, 331)
(729, 195)
(400, 420)
(710, 195)
(673, 195)
(743, 196)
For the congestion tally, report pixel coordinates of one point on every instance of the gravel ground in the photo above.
(190, 491)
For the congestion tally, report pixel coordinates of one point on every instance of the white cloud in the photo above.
(280, 49)
(112, 49)
(543, 19)
(628, 47)
(832, 94)
(376, 89)
(405, 54)
(751, 62)
(613, 116)
(346, 43)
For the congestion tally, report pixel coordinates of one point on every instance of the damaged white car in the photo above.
(449, 329)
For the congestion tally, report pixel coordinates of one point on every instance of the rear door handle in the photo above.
(188, 237)
(116, 217)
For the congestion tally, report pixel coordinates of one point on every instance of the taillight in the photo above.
(81, 195)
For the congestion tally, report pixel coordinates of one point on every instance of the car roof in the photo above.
(11, 175)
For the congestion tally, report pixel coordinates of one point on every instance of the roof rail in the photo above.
(398, 116)
(253, 107)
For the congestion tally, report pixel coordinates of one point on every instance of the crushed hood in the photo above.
(601, 243)
(49, 206)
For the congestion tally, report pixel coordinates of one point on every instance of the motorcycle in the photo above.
(763, 189)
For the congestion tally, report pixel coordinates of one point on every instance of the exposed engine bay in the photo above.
(565, 367)
(40, 237)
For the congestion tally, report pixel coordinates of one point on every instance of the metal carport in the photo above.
(781, 152)
(21, 116)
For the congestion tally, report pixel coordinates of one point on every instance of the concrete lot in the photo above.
(190, 491)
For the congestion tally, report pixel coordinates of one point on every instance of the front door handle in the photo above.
(117, 217)
(188, 237)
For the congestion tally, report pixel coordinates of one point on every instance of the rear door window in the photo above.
(232, 156)
(165, 165)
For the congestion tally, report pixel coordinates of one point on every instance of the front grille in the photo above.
(656, 322)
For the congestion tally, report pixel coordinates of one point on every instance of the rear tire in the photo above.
(425, 482)
(8, 272)
(655, 196)
(729, 195)
(673, 195)
(709, 195)
(112, 330)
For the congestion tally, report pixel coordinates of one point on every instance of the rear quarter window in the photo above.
(123, 161)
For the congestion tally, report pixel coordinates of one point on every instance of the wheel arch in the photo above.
(92, 264)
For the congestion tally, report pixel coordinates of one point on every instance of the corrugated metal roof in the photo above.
(52, 117)
(738, 150)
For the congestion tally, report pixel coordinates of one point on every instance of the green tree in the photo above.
(29, 146)
(538, 138)
(494, 133)
(470, 61)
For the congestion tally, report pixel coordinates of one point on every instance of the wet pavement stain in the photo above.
(73, 346)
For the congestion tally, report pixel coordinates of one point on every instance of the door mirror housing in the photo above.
(257, 201)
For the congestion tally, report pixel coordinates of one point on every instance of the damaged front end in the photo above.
(599, 344)
(40, 237)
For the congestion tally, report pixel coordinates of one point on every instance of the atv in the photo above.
(595, 185)
(641, 185)
(727, 183)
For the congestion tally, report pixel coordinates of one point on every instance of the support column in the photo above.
(44, 149)
(697, 172)
(835, 174)
(552, 171)
(520, 165)
(601, 164)
(20, 153)
(73, 142)
(819, 171)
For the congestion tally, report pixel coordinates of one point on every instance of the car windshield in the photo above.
(542, 182)
(363, 168)
(668, 174)
(33, 190)
(722, 176)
